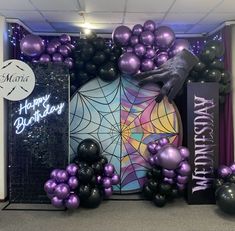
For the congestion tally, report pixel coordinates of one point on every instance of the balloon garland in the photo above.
(85, 182)
(224, 187)
(169, 174)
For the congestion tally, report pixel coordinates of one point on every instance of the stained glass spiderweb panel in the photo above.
(123, 117)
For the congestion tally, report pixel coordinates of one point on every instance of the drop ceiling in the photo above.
(71, 16)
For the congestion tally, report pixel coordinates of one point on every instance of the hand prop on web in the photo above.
(172, 74)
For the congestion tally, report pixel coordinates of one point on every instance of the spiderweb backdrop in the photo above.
(124, 118)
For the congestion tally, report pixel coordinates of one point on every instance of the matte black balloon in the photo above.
(87, 52)
(79, 64)
(84, 191)
(98, 168)
(108, 72)
(99, 58)
(213, 76)
(107, 50)
(225, 77)
(159, 200)
(103, 160)
(217, 64)
(147, 192)
(231, 178)
(85, 174)
(90, 68)
(94, 199)
(217, 46)
(165, 188)
(208, 55)
(152, 184)
(99, 43)
(218, 183)
(199, 67)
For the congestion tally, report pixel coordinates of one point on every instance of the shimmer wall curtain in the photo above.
(226, 148)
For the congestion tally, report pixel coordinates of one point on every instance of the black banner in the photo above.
(38, 134)
(202, 140)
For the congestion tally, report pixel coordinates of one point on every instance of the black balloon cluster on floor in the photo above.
(94, 58)
(210, 68)
(224, 187)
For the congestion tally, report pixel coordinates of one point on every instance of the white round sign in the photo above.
(17, 80)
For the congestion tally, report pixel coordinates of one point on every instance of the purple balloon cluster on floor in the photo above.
(61, 186)
(146, 47)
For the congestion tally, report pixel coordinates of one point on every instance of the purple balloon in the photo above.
(233, 167)
(168, 173)
(115, 179)
(168, 180)
(139, 49)
(129, 63)
(147, 38)
(163, 141)
(65, 38)
(34, 60)
(54, 173)
(150, 53)
(57, 58)
(72, 202)
(98, 179)
(156, 160)
(147, 65)
(71, 46)
(69, 62)
(184, 169)
(109, 170)
(121, 36)
(64, 50)
(72, 169)
(45, 58)
(32, 45)
(149, 25)
(178, 46)
(164, 37)
(51, 48)
(108, 192)
(50, 186)
(169, 157)
(161, 58)
(152, 147)
(151, 161)
(181, 187)
(62, 191)
(184, 152)
(137, 29)
(57, 202)
(55, 42)
(158, 147)
(224, 171)
(106, 182)
(182, 179)
(62, 176)
(129, 49)
(73, 182)
(134, 40)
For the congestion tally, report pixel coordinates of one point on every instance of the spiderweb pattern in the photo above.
(124, 118)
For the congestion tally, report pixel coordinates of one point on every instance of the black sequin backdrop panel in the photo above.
(40, 142)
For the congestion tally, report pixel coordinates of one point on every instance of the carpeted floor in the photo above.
(121, 216)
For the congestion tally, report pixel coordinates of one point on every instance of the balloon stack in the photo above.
(169, 174)
(210, 68)
(60, 188)
(93, 57)
(146, 47)
(224, 187)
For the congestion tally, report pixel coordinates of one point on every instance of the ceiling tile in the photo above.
(215, 18)
(103, 5)
(39, 26)
(148, 5)
(142, 17)
(226, 6)
(183, 18)
(22, 15)
(194, 5)
(202, 28)
(104, 17)
(62, 16)
(64, 5)
(16, 4)
(179, 28)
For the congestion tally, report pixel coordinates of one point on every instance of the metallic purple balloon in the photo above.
(164, 37)
(71, 46)
(115, 179)
(182, 179)
(57, 58)
(54, 173)
(147, 65)
(51, 48)
(140, 49)
(233, 167)
(224, 171)
(181, 187)
(149, 25)
(62, 191)
(152, 147)
(32, 45)
(151, 161)
(50, 186)
(72, 202)
(98, 179)
(156, 160)
(178, 46)
(121, 36)
(108, 192)
(106, 182)
(55, 42)
(65, 38)
(163, 141)
(168, 180)
(134, 40)
(137, 29)
(129, 63)
(72, 169)
(168, 173)
(184, 152)
(158, 147)
(109, 170)
(57, 202)
(150, 53)
(69, 62)
(64, 50)
(45, 58)
(129, 49)
(184, 169)
(62, 176)
(161, 58)
(147, 38)
(73, 182)
(169, 157)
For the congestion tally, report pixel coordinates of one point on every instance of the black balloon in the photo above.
(117, 51)
(99, 43)
(148, 193)
(225, 77)
(94, 199)
(99, 58)
(149, 175)
(82, 164)
(217, 46)
(208, 55)
(213, 76)
(87, 52)
(152, 184)
(231, 178)
(107, 50)
(165, 188)
(90, 68)
(174, 193)
(83, 77)
(218, 183)
(103, 160)
(97, 167)
(91, 36)
(108, 72)
(159, 200)
(199, 67)
(93, 181)
(217, 64)
(79, 64)
(157, 173)
(85, 174)
(84, 191)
